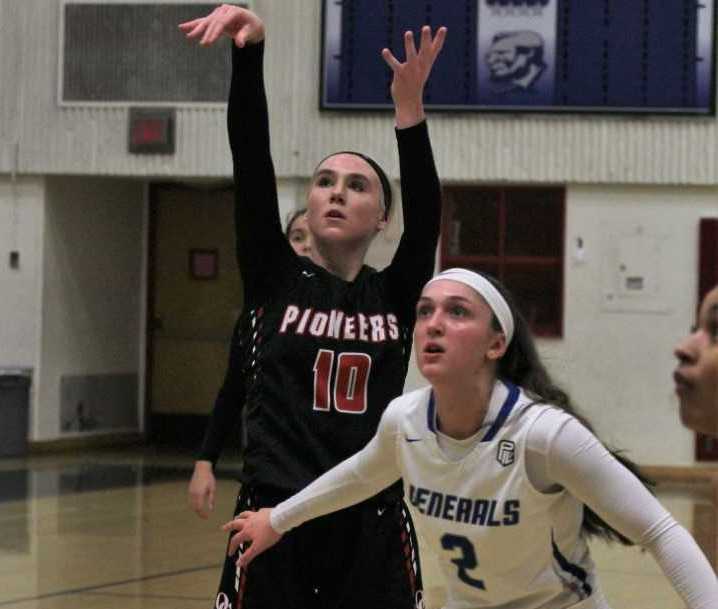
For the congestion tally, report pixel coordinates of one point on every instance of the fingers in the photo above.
(210, 499)
(438, 42)
(428, 46)
(235, 543)
(246, 557)
(189, 25)
(196, 502)
(192, 499)
(197, 506)
(238, 523)
(198, 28)
(201, 510)
(425, 39)
(389, 58)
(214, 31)
(241, 38)
(409, 48)
(232, 525)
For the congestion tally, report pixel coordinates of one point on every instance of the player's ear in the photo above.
(498, 347)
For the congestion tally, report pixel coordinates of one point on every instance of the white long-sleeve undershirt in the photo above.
(560, 454)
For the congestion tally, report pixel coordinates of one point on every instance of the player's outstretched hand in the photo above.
(407, 86)
(239, 24)
(253, 529)
(202, 488)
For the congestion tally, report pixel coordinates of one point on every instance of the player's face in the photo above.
(299, 237)
(344, 201)
(696, 376)
(453, 336)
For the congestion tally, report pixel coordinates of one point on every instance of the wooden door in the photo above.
(195, 297)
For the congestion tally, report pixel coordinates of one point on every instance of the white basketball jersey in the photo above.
(501, 543)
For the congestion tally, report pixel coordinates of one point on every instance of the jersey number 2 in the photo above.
(466, 561)
(350, 382)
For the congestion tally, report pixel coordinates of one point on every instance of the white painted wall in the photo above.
(618, 365)
(469, 146)
(91, 297)
(21, 221)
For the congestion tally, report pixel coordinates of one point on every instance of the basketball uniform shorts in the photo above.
(364, 557)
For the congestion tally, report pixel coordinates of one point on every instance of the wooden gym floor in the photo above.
(112, 530)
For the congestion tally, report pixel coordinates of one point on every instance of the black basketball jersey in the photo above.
(320, 357)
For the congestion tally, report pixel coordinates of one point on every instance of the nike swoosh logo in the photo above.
(307, 274)
(413, 439)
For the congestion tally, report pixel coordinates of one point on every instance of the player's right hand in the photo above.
(202, 488)
(254, 531)
(239, 24)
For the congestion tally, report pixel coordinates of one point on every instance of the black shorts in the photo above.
(364, 557)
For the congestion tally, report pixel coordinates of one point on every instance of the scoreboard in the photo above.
(639, 56)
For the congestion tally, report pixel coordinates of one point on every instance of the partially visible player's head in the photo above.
(297, 232)
(512, 54)
(349, 200)
(696, 376)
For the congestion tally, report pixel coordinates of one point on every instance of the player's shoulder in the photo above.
(545, 421)
(413, 399)
(526, 404)
(409, 410)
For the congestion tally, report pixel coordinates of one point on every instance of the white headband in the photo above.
(487, 291)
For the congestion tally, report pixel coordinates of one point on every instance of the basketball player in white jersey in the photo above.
(508, 481)
(696, 376)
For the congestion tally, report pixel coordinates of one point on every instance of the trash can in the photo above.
(14, 410)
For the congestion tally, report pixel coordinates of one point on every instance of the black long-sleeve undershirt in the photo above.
(267, 262)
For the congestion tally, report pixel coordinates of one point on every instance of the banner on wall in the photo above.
(529, 55)
(516, 52)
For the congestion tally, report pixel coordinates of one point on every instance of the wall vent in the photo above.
(127, 53)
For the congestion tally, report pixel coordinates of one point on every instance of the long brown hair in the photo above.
(522, 366)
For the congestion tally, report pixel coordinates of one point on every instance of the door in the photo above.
(195, 297)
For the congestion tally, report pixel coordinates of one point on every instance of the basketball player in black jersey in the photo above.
(325, 342)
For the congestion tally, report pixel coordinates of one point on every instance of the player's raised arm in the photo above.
(410, 76)
(261, 246)
(239, 24)
(413, 262)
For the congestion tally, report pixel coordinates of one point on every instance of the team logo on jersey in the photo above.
(222, 602)
(506, 454)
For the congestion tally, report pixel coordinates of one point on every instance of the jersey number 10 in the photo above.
(348, 391)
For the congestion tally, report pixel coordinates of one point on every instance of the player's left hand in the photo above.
(252, 529)
(240, 24)
(407, 86)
